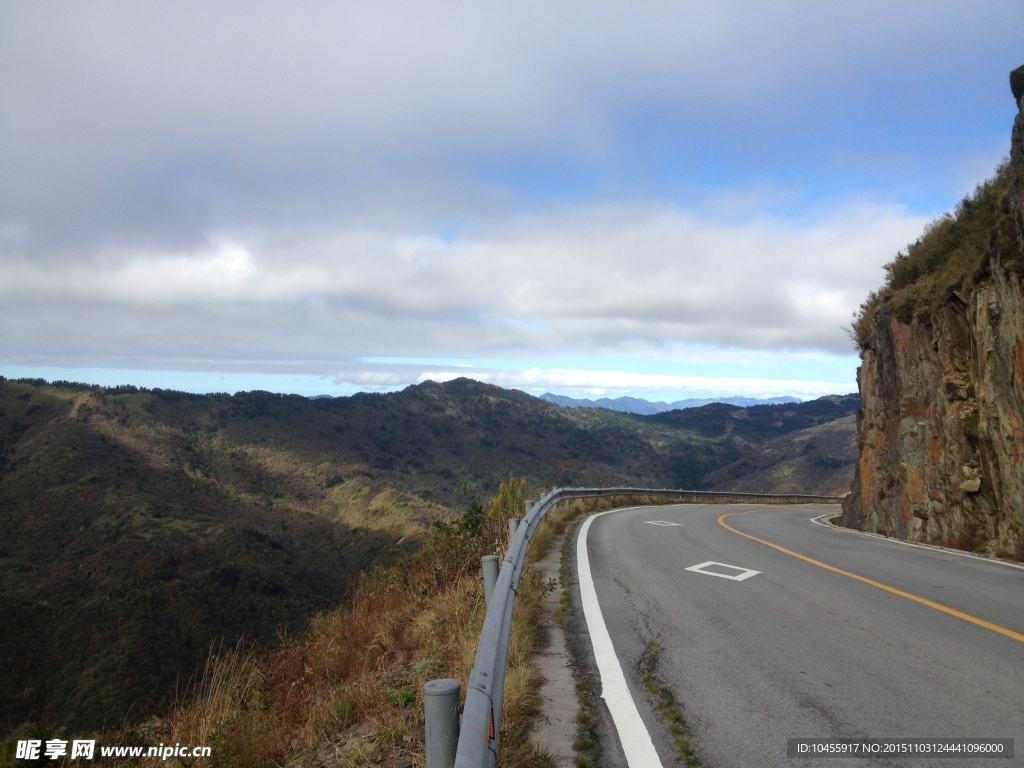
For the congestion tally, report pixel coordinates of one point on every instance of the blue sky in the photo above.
(662, 200)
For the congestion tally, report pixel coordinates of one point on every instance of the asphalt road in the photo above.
(799, 649)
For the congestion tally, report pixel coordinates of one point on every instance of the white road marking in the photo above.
(743, 575)
(822, 520)
(633, 735)
(660, 522)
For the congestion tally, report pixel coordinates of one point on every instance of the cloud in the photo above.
(311, 181)
(165, 120)
(607, 278)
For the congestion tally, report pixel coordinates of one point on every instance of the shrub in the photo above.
(946, 256)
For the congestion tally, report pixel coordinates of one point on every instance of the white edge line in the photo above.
(821, 520)
(633, 734)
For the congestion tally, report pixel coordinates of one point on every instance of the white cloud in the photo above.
(595, 278)
(310, 181)
(181, 117)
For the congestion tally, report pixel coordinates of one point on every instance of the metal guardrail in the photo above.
(481, 718)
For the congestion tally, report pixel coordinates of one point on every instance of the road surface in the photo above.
(797, 630)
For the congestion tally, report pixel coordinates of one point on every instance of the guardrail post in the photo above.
(441, 720)
(489, 564)
(513, 526)
(528, 505)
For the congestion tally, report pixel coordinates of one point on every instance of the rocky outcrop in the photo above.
(941, 431)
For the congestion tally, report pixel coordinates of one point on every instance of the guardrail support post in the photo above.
(489, 563)
(513, 526)
(528, 504)
(441, 720)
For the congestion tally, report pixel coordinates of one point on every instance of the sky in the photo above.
(654, 199)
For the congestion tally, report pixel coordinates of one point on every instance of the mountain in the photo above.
(942, 376)
(647, 408)
(140, 528)
(818, 458)
(134, 536)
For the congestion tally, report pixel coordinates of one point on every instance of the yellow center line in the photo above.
(924, 601)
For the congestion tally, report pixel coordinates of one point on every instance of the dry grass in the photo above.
(363, 503)
(350, 691)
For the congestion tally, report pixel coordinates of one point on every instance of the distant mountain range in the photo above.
(647, 408)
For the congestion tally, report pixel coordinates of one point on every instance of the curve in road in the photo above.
(795, 641)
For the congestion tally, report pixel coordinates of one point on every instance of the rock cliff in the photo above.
(941, 431)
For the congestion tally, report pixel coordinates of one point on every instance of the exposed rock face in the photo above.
(1017, 157)
(941, 433)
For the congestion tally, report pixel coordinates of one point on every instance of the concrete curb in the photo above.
(554, 731)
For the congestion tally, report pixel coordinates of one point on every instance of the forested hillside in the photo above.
(140, 528)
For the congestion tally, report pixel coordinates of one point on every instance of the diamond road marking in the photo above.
(659, 522)
(744, 573)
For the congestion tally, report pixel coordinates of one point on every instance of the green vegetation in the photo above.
(133, 544)
(665, 702)
(948, 257)
(816, 457)
(141, 529)
(713, 440)
(350, 691)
